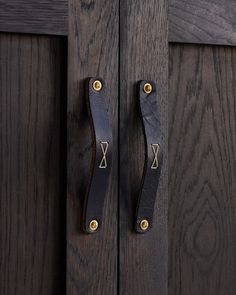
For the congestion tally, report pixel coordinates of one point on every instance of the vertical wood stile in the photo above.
(143, 55)
(92, 51)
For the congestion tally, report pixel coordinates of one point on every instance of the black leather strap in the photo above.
(153, 155)
(102, 157)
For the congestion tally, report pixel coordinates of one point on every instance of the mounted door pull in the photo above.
(102, 156)
(153, 155)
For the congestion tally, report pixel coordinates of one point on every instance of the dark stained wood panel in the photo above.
(202, 21)
(202, 170)
(143, 55)
(93, 51)
(32, 165)
(34, 16)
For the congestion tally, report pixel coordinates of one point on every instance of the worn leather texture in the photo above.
(149, 114)
(102, 132)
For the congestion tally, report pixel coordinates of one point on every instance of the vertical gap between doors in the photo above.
(118, 165)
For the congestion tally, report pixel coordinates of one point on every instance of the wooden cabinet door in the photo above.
(143, 56)
(202, 147)
(47, 50)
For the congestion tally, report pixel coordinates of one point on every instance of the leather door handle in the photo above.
(149, 113)
(102, 156)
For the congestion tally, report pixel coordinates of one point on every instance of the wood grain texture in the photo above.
(143, 55)
(32, 168)
(33, 16)
(202, 170)
(202, 21)
(93, 51)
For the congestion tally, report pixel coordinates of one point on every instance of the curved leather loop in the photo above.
(153, 156)
(102, 157)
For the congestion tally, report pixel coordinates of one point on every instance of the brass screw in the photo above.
(93, 225)
(144, 224)
(147, 88)
(97, 85)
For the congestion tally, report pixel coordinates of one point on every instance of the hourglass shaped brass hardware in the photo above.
(150, 116)
(102, 155)
(104, 147)
(155, 149)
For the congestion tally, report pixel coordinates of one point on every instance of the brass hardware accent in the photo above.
(104, 147)
(97, 85)
(144, 224)
(147, 88)
(155, 149)
(93, 225)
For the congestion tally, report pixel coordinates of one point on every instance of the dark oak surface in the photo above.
(202, 170)
(202, 21)
(32, 166)
(34, 16)
(93, 52)
(143, 55)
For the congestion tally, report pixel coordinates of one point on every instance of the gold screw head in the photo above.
(144, 224)
(147, 88)
(93, 225)
(97, 85)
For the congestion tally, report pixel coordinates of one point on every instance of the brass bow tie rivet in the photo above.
(144, 224)
(93, 225)
(97, 85)
(155, 149)
(147, 88)
(104, 147)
